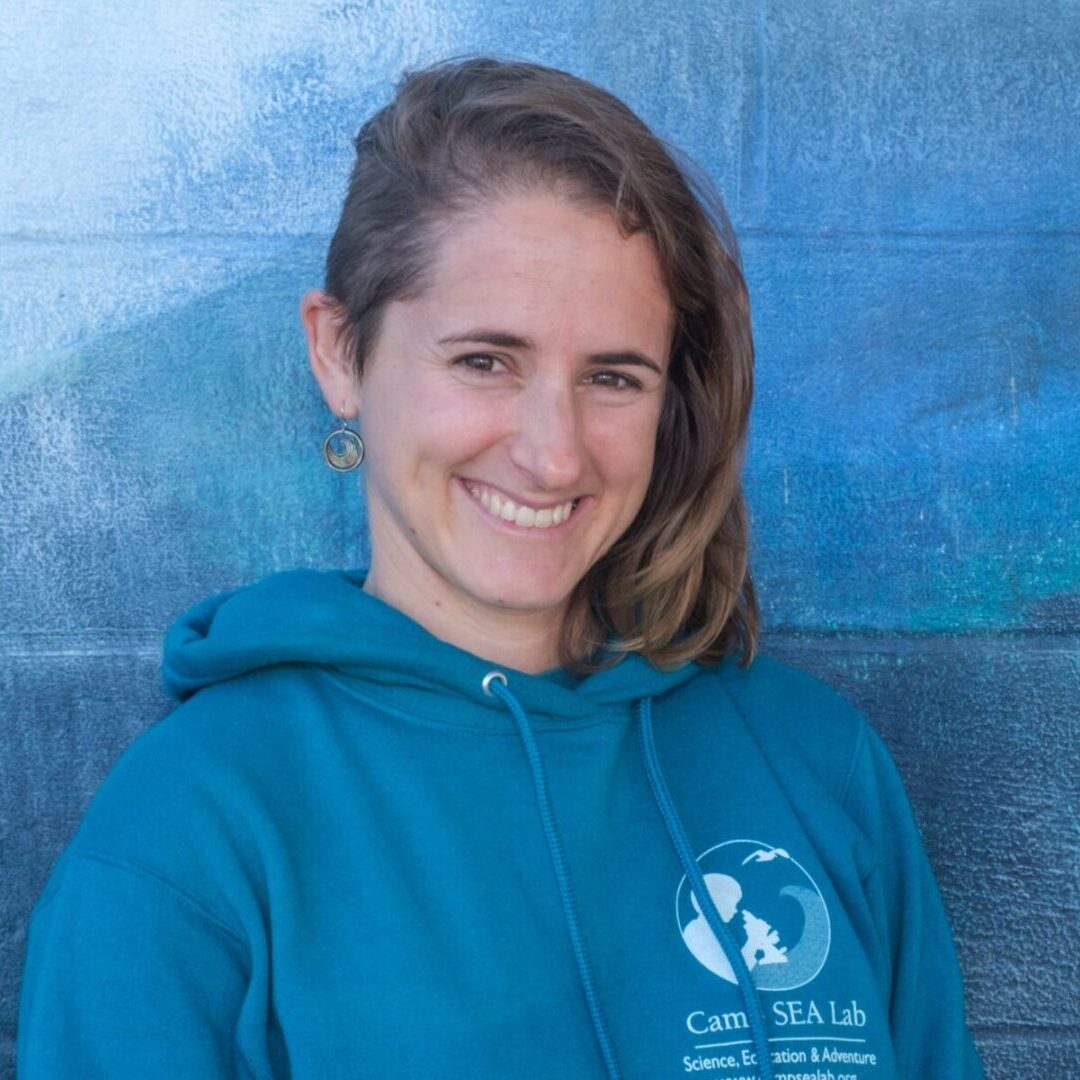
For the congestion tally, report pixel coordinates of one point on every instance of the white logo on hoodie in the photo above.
(772, 907)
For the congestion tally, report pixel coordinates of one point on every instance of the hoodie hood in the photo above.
(325, 618)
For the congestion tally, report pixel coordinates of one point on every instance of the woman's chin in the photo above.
(536, 596)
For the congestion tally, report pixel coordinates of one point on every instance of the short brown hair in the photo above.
(676, 585)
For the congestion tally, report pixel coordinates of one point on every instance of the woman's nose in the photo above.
(547, 446)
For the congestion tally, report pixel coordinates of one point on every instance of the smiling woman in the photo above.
(526, 202)
(503, 477)
(472, 782)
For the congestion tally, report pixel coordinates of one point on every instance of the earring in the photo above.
(343, 448)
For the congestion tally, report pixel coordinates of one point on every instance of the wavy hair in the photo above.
(676, 585)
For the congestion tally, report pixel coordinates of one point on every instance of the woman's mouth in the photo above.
(501, 506)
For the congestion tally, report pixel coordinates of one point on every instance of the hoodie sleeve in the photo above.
(126, 976)
(927, 1001)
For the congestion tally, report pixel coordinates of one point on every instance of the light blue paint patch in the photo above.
(118, 125)
(57, 297)
(185, 455)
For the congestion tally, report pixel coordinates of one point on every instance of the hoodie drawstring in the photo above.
(495, 684)
(697, 883)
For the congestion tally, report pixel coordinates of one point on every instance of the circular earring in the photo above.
(343, 448)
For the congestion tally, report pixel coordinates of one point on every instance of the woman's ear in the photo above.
(329, 353)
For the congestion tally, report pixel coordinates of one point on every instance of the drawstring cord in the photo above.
(495, 684)
(697, 883)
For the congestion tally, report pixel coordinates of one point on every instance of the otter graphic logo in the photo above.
(771, 905)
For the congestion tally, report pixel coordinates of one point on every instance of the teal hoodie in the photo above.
(350, 853)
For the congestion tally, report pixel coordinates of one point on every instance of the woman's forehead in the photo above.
(549, 266)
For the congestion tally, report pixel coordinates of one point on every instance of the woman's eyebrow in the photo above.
(628, 357)
(500, 339)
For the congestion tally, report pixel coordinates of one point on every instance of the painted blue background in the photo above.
(903, 177)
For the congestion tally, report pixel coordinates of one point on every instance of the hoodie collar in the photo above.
(325, 618)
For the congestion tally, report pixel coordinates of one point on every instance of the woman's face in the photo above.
(510, 411)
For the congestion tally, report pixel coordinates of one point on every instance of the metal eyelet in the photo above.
(491, 677)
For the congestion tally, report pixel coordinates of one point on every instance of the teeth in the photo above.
(525, 516)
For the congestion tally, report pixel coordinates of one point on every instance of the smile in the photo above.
(502, 506)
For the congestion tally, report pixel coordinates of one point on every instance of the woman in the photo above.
(518, 801)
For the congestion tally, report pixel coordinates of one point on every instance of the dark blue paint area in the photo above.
(985, 730)
(950, 116)
(914, 445)
(1020, 1056)
(75, 713)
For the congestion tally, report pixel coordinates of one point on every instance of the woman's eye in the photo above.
(614, 379)
(478, 362)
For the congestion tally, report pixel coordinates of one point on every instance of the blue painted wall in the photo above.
(903, 178)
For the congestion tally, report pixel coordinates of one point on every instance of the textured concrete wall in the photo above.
(903, 177)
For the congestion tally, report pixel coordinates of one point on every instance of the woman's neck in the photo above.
(520, 639)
